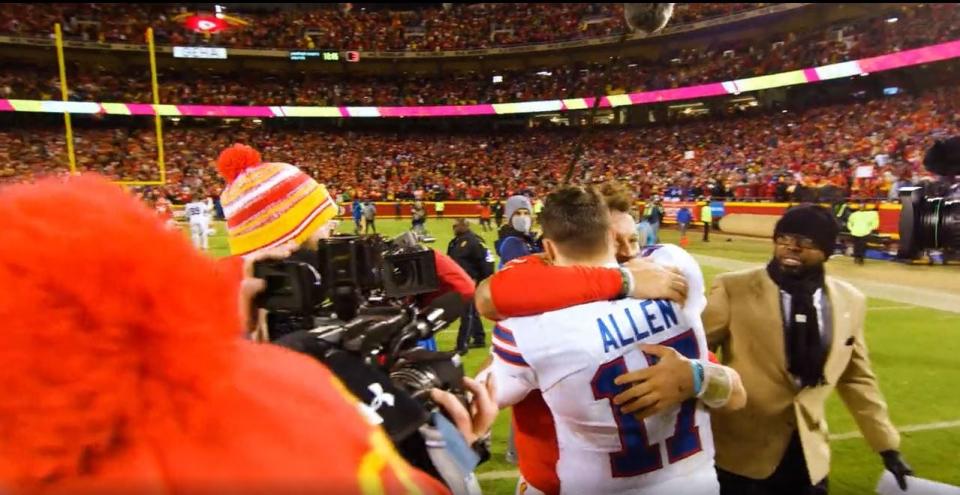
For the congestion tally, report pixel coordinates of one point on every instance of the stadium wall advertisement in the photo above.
(890, 61)
(889, 213)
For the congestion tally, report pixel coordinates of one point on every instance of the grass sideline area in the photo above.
(915, 353)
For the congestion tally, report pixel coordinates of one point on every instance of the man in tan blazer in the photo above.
(794, 335)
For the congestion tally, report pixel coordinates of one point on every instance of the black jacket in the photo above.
(471, 254)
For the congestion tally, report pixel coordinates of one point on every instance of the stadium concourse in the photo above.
(848, 139)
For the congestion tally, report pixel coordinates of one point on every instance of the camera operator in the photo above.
(124, 370)
(276, 211)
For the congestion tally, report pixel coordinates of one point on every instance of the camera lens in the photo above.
(927, 223)
(940, 223)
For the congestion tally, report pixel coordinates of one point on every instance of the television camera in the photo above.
(359, 295)
(930, 215)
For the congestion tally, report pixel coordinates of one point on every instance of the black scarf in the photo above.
(806, 354)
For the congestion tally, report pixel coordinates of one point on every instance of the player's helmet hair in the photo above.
(577, 220)
(617, 196)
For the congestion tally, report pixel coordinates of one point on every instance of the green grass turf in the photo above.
(915, 354)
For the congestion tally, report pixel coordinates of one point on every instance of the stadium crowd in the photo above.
(334, 26)
(760, 155)
(919, 25)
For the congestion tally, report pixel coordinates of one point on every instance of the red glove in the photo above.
(529, 286)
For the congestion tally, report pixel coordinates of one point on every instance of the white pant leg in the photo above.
(205, 235)
(198, 233)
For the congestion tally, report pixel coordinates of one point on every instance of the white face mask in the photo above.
(522, 224)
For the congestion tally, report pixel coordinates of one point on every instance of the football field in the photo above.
(915, 350)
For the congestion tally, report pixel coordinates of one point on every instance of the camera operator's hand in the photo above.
(475, 423)
(251, 286)
(652, 281)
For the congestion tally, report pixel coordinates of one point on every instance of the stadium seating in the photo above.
(457, 27)
(921, 25)
(757, 155)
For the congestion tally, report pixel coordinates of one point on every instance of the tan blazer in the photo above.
(743, 319)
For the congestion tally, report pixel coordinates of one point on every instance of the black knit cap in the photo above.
(813, 221)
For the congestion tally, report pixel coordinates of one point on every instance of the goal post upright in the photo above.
(156, 106)
(64, 94)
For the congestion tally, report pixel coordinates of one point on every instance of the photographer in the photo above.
(276, 211)
(125, 372)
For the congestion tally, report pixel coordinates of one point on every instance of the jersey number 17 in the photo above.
(637, 455)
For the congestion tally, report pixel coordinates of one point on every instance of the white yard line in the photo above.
(941, 425)
(914, 296)
(891, 308)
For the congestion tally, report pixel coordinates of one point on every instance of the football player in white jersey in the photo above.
(574, 355)
(198, 214)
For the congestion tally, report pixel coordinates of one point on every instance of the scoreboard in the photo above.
(326, 56)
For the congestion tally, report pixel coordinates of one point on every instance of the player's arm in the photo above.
(675, 379)
(452, 277)
(529, 286)
(512, 374)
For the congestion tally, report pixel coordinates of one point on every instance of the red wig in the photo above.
(123, 370)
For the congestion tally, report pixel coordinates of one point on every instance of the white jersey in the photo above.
(197, 212)
(573, 356)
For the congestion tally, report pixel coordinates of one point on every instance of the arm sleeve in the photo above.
(452, 277)
(860, 392)
(716, 316)
(528, 286)
(513, 377)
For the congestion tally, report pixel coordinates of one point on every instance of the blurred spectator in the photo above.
(774, 155)
(921, 25)
(330, 26)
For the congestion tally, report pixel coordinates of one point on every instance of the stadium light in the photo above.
(497, 79)
(891, 20)
(545, 73)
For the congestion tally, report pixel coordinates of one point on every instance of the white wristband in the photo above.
(717, 385)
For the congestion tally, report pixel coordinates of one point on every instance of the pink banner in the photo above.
(223, 111)
(140, 108)
(437, 111)
(700, 91)
(927, 54)
(917, 56)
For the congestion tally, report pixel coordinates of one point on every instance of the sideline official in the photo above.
(794, 335)
(469, 251)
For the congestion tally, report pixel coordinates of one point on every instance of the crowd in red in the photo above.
(918, 25)
(348, 26)
(762, 155)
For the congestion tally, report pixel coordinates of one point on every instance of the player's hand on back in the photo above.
(658, 387)
(653, 281)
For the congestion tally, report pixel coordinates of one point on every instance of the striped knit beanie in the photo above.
(269, 204)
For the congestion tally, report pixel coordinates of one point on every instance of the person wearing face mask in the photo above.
(516, 239)
(794, 335)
